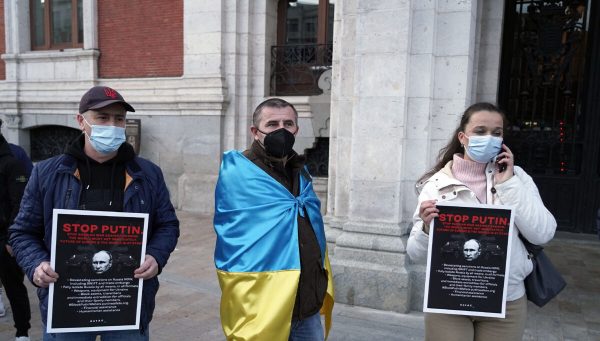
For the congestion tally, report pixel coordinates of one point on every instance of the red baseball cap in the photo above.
(101, 96)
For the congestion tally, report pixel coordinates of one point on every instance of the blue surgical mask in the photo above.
(484, 148)
(105, 139)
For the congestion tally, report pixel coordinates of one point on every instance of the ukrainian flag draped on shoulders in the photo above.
(257, 254)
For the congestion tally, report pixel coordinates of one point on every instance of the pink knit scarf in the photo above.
(472, 174)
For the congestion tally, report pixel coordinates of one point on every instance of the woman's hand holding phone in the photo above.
(501, 166)
(505, 162)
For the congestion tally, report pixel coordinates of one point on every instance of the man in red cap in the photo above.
(99, 172)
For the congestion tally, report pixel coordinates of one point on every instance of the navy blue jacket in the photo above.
(54, 183)
(21, 155)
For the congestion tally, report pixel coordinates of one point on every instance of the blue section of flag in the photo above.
(256, 218)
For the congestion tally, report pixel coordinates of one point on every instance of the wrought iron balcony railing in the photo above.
(295, 69)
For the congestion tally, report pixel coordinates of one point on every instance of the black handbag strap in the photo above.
(532, 249)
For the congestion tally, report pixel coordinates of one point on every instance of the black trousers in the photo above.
(12, 280)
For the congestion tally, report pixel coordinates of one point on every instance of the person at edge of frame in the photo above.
(14, 173)
(477, 167)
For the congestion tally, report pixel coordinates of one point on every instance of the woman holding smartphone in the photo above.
(476, 167)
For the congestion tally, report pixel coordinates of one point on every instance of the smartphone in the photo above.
(501, 166)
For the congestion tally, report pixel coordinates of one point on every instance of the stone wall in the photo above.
(187, 121)
(403, 72)
(397, 97)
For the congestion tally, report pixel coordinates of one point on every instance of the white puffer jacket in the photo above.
(532, 219)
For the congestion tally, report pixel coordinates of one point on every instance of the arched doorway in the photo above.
(50, 140)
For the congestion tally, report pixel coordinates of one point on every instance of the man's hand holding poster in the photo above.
(95, 254)
(467, 263)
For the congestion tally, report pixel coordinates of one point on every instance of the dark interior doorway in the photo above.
(550, 89)
(50, 140)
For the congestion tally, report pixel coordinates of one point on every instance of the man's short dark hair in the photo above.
(271, 103)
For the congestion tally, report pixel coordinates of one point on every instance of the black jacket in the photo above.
(56, 183)
(313, 278)
(100, 181)
(13, 178)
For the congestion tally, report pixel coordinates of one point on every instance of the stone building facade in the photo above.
(400, 75)
(397, 97)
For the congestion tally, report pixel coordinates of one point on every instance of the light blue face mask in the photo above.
(105, 139)
(484, 148)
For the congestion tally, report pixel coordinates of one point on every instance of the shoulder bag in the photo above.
(544, 282)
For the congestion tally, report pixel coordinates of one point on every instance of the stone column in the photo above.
(397, 95)
(225, 44)
(17, 41)
(202, 38)
(203, 23)
(488, 49)
(246, 40)
(368, 123)
(90, 26)
(16, 21)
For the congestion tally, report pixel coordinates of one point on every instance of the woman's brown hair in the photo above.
(446, 154)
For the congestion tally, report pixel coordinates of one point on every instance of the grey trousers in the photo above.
(464, 328)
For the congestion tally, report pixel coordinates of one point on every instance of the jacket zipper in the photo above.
(67, 197)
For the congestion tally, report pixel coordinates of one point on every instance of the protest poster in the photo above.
(468, 258)
(95, 254)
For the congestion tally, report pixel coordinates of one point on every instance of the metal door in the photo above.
(550, 89)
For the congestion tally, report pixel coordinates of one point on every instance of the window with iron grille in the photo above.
(304, 46)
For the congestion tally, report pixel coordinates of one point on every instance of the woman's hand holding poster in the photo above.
(467, 263)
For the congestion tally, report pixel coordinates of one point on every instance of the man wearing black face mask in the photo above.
(265, 196)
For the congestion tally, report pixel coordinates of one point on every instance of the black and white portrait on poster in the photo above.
(467, 261)
(95, 254)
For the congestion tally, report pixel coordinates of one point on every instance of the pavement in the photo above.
(187, 305)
